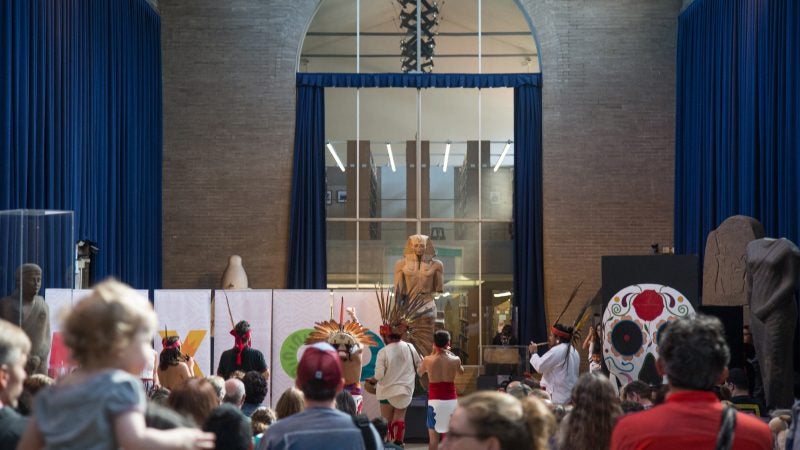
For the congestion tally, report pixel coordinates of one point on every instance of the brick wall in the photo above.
(609, 87)
(609, 71)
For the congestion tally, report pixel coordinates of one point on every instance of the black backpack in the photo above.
(363, 424)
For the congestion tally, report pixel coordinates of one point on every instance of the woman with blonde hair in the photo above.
(292, 401)
(596, 408)
(498, 421)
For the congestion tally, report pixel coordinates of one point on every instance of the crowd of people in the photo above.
(122, 397)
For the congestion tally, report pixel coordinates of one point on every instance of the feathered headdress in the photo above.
(176, 344)
(406, 317)
(339, 333)
(580, 318)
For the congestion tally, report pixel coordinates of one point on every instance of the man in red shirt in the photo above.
(694, 356)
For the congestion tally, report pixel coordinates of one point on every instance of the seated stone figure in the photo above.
(31, 314)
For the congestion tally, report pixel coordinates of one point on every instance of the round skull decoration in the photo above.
(632, 325)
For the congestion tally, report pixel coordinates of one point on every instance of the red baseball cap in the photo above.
(320, 363)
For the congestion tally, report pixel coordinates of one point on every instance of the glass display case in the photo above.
(38, 253)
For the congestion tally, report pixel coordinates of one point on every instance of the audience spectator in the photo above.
(195, 399)
(779, 426)
(594, 339)
(723, 393)
(693, 354)
(14, 348)
(382, 427)
(160, 396)
(533, 383)
(174, 367)
(30, 387)
(740, 396)
(519, 390)
(149, 374)
(162, 418)
(629, 406)
(234, 392)
(660, 394)
(238, 374)
(505, 336)
(291, 402)
(499, 421)
(102, 404)
(255, 391)
(638, 391)
(346, 403)
(596, 362)
(542, 395)
(231, 428)
(559, 412)
(320, 425)
(260, 420)
(503, 386)
(219, 386)
(595, 409)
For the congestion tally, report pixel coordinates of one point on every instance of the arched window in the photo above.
(435, 161)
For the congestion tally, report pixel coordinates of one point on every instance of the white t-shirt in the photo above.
(394, 370)
(558, 375)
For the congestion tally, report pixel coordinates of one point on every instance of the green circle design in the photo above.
(289, 349)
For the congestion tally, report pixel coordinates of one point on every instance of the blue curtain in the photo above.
(307, 265)
(737, 122)
(527, 211)
(81, 124)
(307, 255)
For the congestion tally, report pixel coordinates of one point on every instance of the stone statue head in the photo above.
(29, 278)
(421, 246)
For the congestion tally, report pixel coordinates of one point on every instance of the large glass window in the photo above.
(438, 162)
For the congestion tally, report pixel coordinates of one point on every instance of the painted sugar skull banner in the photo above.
(632, 325)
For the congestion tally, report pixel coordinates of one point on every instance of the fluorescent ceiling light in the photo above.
(335, 156)
(391, 157)
(446, 156)
(503, 294)
(502, 156)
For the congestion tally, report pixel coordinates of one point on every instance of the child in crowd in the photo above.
(101, 405)
(596, 364)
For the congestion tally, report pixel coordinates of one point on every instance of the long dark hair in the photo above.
(596, 409)
(169, 356)
(569, 330)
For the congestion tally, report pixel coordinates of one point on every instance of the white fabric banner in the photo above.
(57, 300)
(254, 306)
(294, 314)
(186, 313)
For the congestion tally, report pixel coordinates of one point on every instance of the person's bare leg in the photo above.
(387, 411)
(399, 425)
(433, 439)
